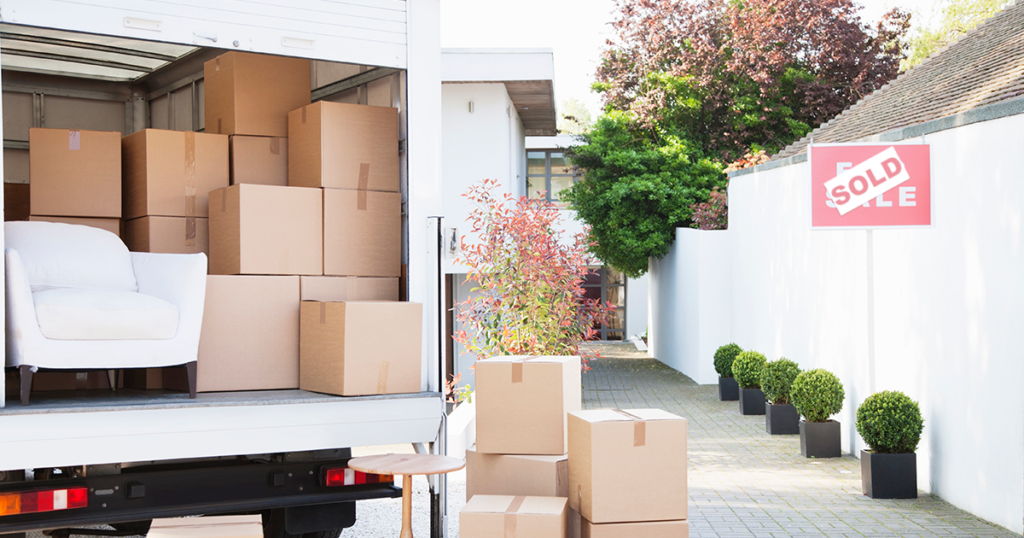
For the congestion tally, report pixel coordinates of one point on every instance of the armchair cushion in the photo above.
(90, 314)
(67, 256)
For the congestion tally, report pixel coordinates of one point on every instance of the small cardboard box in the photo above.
(496, 474)
(259, 160)
(343, 146)
(646, 529)
(75, 173)
(521, 404)
(360, 347)
(506, 516)
(362, 233)
(16, 204)
(266, 230)
(251, 94)
(172, 235)
(208, 527)
(170, 173)
(250, 334)
(111, 225)
(611, 451)
(348, 288)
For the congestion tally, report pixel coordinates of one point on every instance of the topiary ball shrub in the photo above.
(817, 395)
(724, 357)
(747, 369)
(890, 423)
(777, 379)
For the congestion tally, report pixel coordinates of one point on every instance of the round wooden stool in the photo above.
(406, 465)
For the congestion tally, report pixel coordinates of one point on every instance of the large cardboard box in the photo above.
(521, 404)
(268, 230)
(613, 451)
(259, 160)
(360, 347)
(250, 335)
(110, 225)
(251, 94)
(16, 201)
(348, 288)
(170, 173)
(208, 527)
(343, 146)
(646, 529)
(362, 233)
(506, 516)
(75, 173)
(496, 474)
(173, 235)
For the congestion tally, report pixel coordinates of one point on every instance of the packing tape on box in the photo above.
(323, 313)
(275, 146)
(510, 515)
(364, 184)
(74, 140)
(220, 126)
(639, 427)
(382, 377)
(517, 368)
(190, 231)
(216, 63)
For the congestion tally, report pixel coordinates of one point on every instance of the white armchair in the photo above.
(78, 300)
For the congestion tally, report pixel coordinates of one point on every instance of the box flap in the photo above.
(611, 415)
(500, 504)
(535, 358)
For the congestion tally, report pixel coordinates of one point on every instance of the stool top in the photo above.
(406, 464)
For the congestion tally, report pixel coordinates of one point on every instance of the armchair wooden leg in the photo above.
(112, 378)
(190, 367)
(26, 382)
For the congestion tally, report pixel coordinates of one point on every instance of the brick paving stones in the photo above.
(745, 483)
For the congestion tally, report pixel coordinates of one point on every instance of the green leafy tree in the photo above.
(747, 369)
(573, 117)
(890, 422)
(957, 18)
(777, 380)
(724, 357)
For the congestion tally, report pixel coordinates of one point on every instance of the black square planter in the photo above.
(820, 439)
(728, 389)
(781, 419)
(888, 476)
(751, 402)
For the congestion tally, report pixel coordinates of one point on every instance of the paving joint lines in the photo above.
(745, 483)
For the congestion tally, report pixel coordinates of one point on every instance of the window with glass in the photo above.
(609, 286)
(548, 173)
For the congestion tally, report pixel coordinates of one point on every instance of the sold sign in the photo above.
(867, 186)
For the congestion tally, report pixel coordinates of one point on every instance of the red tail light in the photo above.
(343, 476)
(29, 502)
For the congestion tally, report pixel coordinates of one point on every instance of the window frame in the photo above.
(548, 175)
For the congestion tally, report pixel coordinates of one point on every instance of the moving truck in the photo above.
(120, 65)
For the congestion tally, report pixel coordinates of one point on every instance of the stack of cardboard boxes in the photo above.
(543, 464)
(313, 226)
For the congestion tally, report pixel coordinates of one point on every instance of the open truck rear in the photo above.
(71, 462)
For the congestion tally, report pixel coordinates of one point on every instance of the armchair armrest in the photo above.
(22, 327)
(179, 279)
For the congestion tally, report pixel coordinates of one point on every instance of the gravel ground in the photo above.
(383, 518)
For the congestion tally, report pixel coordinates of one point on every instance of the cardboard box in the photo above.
(505, 516)
(343, 146)
(521, 404)
(75, 173)
(348, 288)
(613, 453)
(250, 334)
(647, 529)
(268, 230)
(360, 347)
(110, 225)
(362, 233)
(496, 474)
(208, 527)
(16, 201)
(259, 160)
(173, 235)
(251, 94)
(170, 173)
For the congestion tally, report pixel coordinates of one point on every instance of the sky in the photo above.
(575, 29)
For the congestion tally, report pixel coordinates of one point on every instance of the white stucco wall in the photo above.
(947, 307)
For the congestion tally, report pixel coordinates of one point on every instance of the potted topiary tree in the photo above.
(747, 370)
(728, 390)
(817, 395)
(891, 425)
(776, 380)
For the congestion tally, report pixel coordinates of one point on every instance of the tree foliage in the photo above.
(573, 117)
(958, 17)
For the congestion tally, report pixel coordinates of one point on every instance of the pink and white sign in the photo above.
(870, 186)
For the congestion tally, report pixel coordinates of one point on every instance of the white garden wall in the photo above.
(948, 321)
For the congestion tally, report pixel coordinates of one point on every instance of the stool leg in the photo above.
(406, 506)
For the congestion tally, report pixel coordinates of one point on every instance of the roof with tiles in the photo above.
(984, 67)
